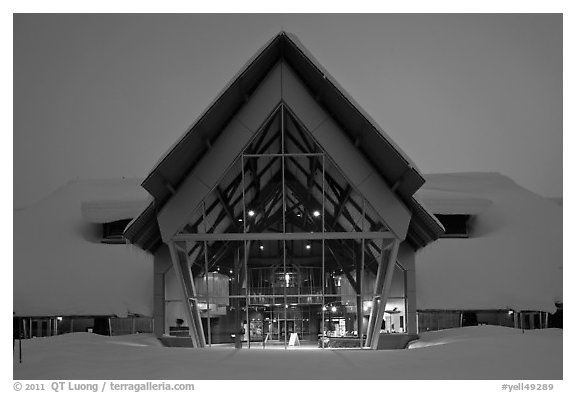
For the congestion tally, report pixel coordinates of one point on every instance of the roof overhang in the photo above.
(392, 165)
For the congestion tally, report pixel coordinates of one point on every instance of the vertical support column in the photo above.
(207, 293)
(236, 300)
(323, 327)
(49, 327)
(407, 258)
(359, 302)
(383, 283)
(194, 303)
(208, 326)
(162, 264)
(284, 223)
(247, 283)
(360, 282)
(540, 321)
(238, 344)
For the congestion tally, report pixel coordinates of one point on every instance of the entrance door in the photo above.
(286, 328)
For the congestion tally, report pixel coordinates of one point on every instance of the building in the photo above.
(285, 211)
(67, 275)
(287, 187)
(501, 253)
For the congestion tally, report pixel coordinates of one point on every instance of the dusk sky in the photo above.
(104, 96)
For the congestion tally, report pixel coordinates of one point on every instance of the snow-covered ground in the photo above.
(483, 352)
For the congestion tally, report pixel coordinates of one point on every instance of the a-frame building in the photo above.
(289, 204)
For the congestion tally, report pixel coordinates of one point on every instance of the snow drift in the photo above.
(482, 352)
(60, 268)
(513, 257)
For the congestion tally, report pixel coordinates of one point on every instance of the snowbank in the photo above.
(468, 353)
(60, 268)
(513, 258)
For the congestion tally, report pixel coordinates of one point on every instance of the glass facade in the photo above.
(310, 264)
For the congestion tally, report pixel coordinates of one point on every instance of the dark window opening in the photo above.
(113, 232)
(469, 319)
(456, 225)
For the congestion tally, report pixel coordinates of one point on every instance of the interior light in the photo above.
(261, 247)
(240, 220)
(231, 271)
(59, 319)
(510, 312)
(323, 308)
(316, 213)
(333, 309)
(308, 246)
(251, 213)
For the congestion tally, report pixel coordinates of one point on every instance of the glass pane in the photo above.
(296, 138)
(263, 193)
(303, 180)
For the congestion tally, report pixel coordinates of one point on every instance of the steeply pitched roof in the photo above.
(393, 166)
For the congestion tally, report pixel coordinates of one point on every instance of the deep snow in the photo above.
(61, 268)
(483, 352)
(513, 258)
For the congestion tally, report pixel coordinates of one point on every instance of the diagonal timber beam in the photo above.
(342, 266)
(188, 293)
(343, 200)
(225, 205)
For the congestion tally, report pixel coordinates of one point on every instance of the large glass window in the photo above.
(277, 250)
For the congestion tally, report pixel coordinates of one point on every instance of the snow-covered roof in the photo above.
(513, 257)
(512, 260)
(60, 268)
(99, 212)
